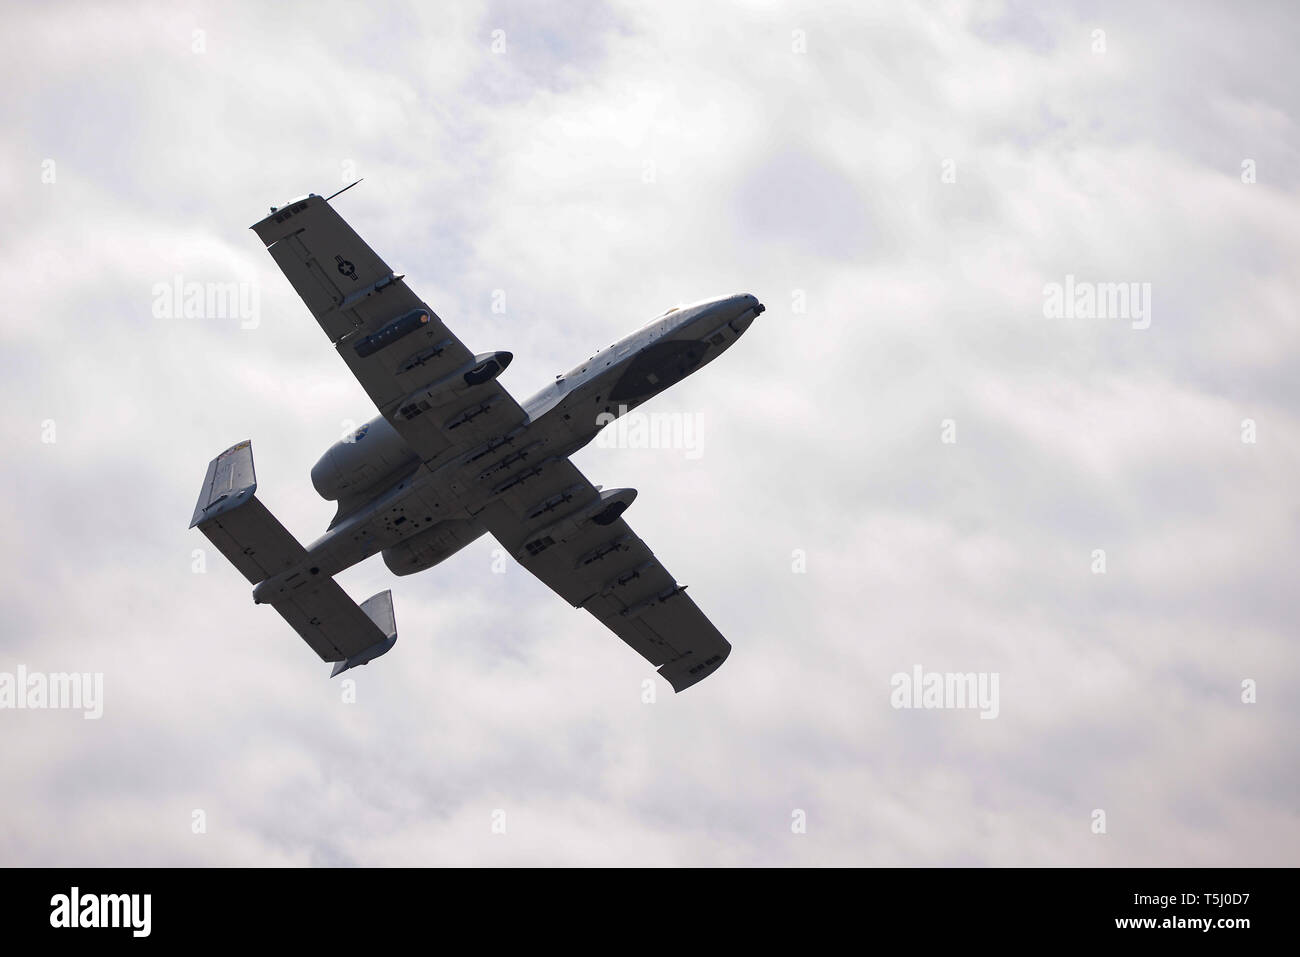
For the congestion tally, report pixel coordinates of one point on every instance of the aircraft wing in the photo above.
(571, 536)
(393, 342)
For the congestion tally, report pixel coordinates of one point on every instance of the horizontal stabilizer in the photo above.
(335, 626)
(314, 604)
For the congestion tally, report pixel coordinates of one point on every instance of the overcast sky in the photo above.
(905, 462)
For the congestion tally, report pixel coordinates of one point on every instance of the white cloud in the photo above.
(773, 172)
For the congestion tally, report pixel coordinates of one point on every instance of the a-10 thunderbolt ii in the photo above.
(452, 455)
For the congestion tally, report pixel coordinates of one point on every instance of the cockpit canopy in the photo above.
(665, 314)
(582, 367)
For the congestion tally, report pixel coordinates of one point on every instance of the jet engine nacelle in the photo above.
(431, 546)
(359, 460)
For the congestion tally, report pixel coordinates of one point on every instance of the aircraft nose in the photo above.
(726, 309)
(745, 308)
(739, 301)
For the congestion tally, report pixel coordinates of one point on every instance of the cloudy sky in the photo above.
(906, 462)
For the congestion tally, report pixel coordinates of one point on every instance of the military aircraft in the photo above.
(453, 456)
